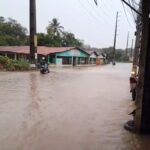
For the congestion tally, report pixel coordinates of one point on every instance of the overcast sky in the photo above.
(93, 24)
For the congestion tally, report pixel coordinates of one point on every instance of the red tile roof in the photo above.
(49, 50)
(43, 50)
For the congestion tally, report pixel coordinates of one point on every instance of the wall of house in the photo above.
(73, 57)
(59, 61)
(93, 56)
(92, 59)
(74, 52)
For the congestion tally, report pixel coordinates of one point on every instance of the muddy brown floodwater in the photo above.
(82, 108)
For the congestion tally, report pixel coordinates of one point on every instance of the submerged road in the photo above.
(82, 108)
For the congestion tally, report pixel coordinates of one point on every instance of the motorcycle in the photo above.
(44, 69)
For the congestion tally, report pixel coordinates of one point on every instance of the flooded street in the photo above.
(82, 108)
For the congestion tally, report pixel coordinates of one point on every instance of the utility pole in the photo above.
(131, 53)
(33, 36)
(115, 36)
(142, 115)
(127, 44)
(138, 35)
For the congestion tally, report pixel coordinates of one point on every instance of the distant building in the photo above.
(96, 58)
(93, 57)
(54, 55)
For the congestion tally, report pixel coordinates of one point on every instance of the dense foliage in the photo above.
(13, 65)
(56, 36)
(11, 32)
(119, 56)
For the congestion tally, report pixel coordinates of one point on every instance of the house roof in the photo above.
(92, 52)
(49, 50)
(43, 50)
(15, 49)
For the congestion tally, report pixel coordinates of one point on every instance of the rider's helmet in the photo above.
(43, 58)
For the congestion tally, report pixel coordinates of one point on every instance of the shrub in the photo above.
(4, 60)
(19, 65)
(13, 65)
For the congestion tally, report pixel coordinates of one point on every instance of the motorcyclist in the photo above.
(44, 64)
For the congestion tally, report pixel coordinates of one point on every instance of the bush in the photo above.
(13, 65)
(4, 60)
(19, 65)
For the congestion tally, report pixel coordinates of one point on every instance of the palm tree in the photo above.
(54, 28)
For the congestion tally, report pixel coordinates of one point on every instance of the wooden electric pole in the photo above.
(33, 37)
(115, 36)
(142, 115)
(127, 44)
(131, 53)
(138, 35)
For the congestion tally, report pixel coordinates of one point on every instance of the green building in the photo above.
(54, 55)
(70, 56)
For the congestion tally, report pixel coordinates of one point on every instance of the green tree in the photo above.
(119, 56)
(54, 28)
(70, 40)
(11, 32)
(55, 32)
(57, 37)
(108, 52)
(2, 19)
(43, 39)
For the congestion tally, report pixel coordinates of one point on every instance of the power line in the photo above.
(96, 11)
(132, 10)
(88, 15)
(126, 14)
(91, 14)
(105, 10)
(110, 7)
(131, 7)
(135, 3)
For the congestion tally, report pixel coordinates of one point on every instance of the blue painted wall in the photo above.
(74, 52)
